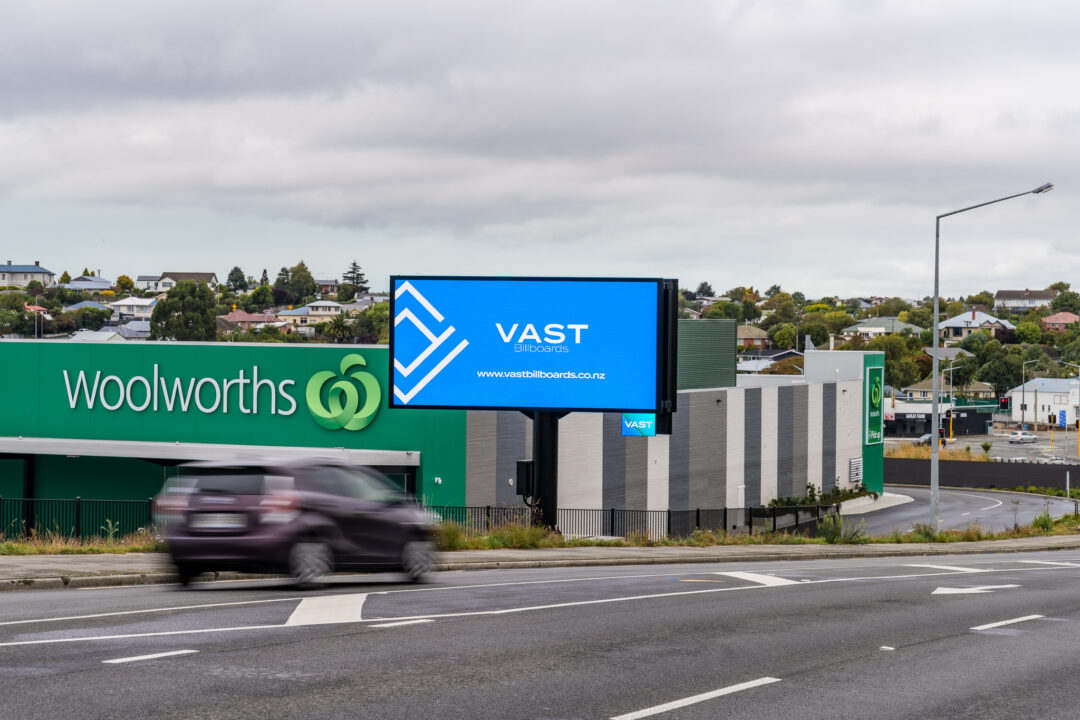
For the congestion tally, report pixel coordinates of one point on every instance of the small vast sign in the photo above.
(526, 343)
(873, 388)
(639, 424)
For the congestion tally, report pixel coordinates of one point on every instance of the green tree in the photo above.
(345, 292)
(900, 368)
(355, 277)
(837, 320)
(798, 298)
(984, 298)
(819, 334)
(1028, 332)
(963, 371)
(86, 272)
(338, 329)
(773, 291)
(1002, 373)
(749, 311)
(373, 325)
(261, 298)
(301, 283)
(783, 336)
(34, 288)
(787, 366)
(1060, 286)
(264, 279)
(236, 281)
(125, 283)
(185, 313)
(723, 309)
(1067, 300)
(65, 278)
(704, 289)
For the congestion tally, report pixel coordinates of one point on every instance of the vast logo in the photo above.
(343, 409)
(435, 341)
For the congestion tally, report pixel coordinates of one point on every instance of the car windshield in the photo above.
(230, 482)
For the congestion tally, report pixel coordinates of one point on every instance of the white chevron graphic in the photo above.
(406, 397)
(435, 340)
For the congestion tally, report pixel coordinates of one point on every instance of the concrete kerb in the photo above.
(640, 556)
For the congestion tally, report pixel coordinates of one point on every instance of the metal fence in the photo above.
(79, 518)
(655, 524)
(74, 518)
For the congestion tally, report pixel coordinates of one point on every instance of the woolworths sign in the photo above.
(347, 401)
(304, 395)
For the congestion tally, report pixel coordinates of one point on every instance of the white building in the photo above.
(134, 308)
(1043, 397)
(23, 275)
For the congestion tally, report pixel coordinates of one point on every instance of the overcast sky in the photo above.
(809, 144)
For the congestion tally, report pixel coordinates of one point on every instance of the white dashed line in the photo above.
(991, 626)
(155, 656)
(694, 699)
(403, 622)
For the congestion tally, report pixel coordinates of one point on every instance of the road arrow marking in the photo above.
(971, 590)
(328, 610)
(760, 579)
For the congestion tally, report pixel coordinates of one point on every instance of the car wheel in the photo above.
(310, 561)
(417, 559)
(185, 574)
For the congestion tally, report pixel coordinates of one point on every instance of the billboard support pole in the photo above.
(545, 432)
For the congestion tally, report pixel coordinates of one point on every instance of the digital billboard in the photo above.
(591, 344)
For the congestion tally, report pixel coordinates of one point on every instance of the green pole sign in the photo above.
(874, 390)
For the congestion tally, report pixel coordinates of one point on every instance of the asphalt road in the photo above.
(993, 636)
(957, 509)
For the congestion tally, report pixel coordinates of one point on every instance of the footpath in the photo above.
(41, 572)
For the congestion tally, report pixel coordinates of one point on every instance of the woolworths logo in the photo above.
(343, 409)
(352, 398)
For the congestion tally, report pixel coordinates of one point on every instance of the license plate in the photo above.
(218, 521)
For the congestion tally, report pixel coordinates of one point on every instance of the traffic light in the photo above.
(1052, 420)
(941, 433)
(1004, 403)
(948, 414)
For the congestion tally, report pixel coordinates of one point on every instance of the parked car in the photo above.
(306, 518)
(1022, 436)
(922, 439)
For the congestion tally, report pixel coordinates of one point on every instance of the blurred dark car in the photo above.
(922, 439)
(307, 518)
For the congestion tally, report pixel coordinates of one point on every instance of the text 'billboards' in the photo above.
(526, 343)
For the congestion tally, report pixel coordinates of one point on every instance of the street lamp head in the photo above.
(1043, 188)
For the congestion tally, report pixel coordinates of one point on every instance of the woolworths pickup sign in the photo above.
(292, 395)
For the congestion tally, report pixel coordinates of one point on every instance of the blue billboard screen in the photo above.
(526, 343)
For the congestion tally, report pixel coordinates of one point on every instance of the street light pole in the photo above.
(1023, 392)
(935, 422)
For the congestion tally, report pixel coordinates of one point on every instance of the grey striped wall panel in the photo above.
(759, 443)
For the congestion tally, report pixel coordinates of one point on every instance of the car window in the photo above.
(229, 482)
(327, 480)
(366, 486)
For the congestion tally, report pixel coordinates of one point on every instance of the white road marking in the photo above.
(887, 648)
(971, 590)
(997, 503)
(1050, 562)
(403, 622)
(328, 610)
(963, 514)
(950, 568)
(163, 633)
(766, 580)
(694, 699)
(149, 610)
(174, 653)
(990, 626)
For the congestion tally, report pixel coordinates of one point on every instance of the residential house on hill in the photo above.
(87, 305)
(135, 330)
(948, 354)
(170, 279)
(89, 283)
(1059, 322)
(147, 282)
(751, 336)
(1020, 301)
(134, 308)
(923, 390)
(871, 328)
(327, 287)
(247, 321)
(959, 327)
(23, 275)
